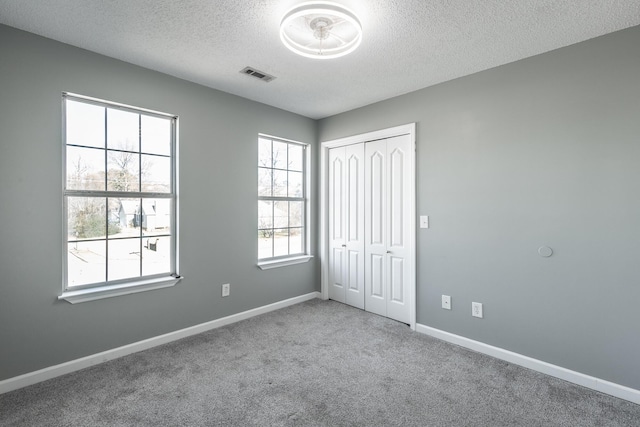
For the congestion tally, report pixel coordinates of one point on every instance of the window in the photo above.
(282, 201)
(119, 198)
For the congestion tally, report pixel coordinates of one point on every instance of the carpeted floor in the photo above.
(316, 363)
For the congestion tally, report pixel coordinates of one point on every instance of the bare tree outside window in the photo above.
(119, 194)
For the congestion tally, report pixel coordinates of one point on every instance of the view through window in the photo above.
(281, 198)
(119, 196)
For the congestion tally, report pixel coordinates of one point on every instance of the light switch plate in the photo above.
(424, 221)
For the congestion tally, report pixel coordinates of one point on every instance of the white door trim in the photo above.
(408, 129)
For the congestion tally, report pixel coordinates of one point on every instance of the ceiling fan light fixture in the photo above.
(321, 30)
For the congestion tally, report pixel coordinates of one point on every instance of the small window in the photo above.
(282, 199)
(119, 194)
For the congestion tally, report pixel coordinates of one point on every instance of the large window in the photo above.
(119, 194)
(282, 192)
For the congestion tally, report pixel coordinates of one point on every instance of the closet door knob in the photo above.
(344, 246)
(388, 252)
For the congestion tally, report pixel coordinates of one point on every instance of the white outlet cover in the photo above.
(446, 302)
(424, 221)
(225, 289)
(476, 309)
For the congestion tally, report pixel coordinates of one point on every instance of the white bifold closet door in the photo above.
(346, 225)
(368, 226)
(387, 216)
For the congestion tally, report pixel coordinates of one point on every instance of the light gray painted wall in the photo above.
(544, 151)
(218, 158)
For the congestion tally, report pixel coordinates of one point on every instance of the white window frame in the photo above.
(94, 291)
(299, 258)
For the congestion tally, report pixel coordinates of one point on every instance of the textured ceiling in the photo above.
(407, 44)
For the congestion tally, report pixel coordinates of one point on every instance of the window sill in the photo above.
(267, 265)
(92, 294)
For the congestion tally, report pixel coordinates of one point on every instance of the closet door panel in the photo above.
(353, 282)
(355, 193)
(337, 247)
(396, 280)
(397, 237)
(376, 287)
(337, 270)
(377, 276)
(354, 221)
(396, 199)
(376, 194)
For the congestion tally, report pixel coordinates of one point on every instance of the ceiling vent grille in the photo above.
(257, 74)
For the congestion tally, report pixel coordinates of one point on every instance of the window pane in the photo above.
(122, 130)
(85, 168)
(281, 242)
(156, 174)
(123, 171)
(295, 157)
(124, 259)
(156, 255)
(280, 175)
(281, 214)
(265, 214)
(264, 182)
(296, 214)
(265, 244)
(155, 135)
(295, 240)
(280, 183)
(264, 153)
(280, 155)
(124, 218)
(121, 150)
(86, 263)
(295, 184)
(86, 218)
(156, 217)
(85, 124)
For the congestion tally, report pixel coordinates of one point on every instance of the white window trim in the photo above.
(85, 294)
(285, 261)
(269, 264)
(108, 291)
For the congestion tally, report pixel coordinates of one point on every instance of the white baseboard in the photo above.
(593, 383)
(94, 359)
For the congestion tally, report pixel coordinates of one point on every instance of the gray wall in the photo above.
(544, 151)
(218, 215)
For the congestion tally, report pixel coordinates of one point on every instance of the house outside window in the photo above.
(119, 197)
(282, 200)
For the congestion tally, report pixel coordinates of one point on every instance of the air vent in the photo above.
(257, 74)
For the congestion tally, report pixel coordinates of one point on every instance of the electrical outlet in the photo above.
(446, 302)
(476, 309)
(225, 289)
(424, 221)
